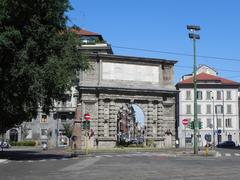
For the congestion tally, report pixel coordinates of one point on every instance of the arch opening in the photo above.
(130, 125)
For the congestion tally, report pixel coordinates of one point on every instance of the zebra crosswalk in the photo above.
(227, 154)
(136, 155)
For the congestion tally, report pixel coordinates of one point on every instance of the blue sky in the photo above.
(160, 25)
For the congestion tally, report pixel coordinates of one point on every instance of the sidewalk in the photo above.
(172, 151)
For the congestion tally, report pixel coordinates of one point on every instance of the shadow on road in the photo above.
(30, 155)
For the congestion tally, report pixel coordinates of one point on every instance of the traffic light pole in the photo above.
(86, 145)
(195, 98)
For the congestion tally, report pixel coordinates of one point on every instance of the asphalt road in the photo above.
(132, 166)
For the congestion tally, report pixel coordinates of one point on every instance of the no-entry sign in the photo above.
(185, 122)
(87, 117)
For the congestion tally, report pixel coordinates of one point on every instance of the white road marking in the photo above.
(75, 158)
(218, 154)
(3, 160)
(81, 165)
(236, 154)
(52, 159)
(119, 155)
(105, 155)
(227, 154)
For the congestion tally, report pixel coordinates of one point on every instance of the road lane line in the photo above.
(227, 154)
(105, 155)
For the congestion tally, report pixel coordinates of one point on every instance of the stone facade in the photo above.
(104, 90)
(112, 83)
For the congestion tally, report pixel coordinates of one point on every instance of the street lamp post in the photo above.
(194, 37)
(213, 121)
(223, 110)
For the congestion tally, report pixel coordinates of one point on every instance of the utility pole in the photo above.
(193, 36)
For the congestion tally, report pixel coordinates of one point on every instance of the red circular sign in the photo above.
(87, 117)
(185, 122)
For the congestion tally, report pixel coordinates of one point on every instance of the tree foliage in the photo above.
(67, 130)
(39, 58)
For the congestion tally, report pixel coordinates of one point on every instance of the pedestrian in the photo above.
(97, 142)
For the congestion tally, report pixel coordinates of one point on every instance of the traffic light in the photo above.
(86, 125)
(191, 125)
(199, 124)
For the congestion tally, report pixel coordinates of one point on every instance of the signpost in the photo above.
(185, 123)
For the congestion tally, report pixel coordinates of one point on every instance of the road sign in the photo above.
(208, 137)
(185, 122)
(87, 117)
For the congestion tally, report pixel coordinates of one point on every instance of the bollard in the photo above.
(206, 151)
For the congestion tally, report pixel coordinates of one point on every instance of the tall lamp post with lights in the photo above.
(213, 125)
(192, 35)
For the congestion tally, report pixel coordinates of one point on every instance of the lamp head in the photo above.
(193, 27)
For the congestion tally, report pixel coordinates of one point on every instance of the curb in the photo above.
(3, 160)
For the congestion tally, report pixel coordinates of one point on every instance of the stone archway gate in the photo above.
(117, 81)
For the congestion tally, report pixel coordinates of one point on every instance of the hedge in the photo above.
(23, 143)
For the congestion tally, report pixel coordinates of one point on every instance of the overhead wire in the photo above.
(177, 53)
(188, 55)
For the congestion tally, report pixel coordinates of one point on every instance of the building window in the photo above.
(63, 117)
(166, 73)
(43, 119)
(28, 134)
(188, 95)
(219, 95)
(188, 109)
(229, 109)
(229, 137)
(229, 95)
(219, 123)
(199, 109)
(209, 109)
(228, 122)
(219, 138)
(208, 95)
(219, 109)
(209, 123)
(199, 95)
(44, 133)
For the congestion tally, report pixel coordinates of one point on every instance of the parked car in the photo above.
(4, 144)
(227, 144)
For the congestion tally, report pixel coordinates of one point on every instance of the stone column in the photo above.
(112, 120)
(150, 119)
(77, 129)
(100, 118)
(160, 132)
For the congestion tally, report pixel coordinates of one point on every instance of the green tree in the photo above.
(39, 58)
(67, 130)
